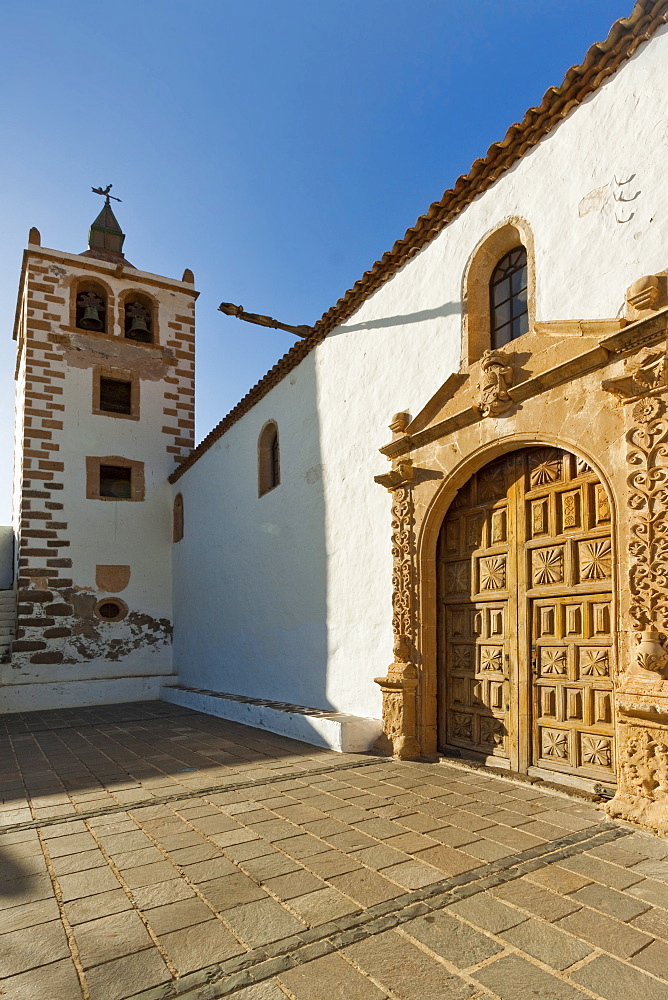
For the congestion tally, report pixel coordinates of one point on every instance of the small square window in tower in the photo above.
(116, 482)
(115, 395)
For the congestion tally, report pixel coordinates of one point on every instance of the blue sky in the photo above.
(276, 147)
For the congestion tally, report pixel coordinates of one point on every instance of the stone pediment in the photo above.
(553, 353)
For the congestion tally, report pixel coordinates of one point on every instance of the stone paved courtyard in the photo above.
(150, 852)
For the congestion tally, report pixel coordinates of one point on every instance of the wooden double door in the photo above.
(525, 578)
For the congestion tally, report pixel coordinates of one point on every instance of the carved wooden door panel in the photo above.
(476, 564)
(525, 622)
(569, 588)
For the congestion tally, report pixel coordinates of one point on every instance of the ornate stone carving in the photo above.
(650, 654)
(402, 572)
(643, 373)
(399, 686)
(648, 500)
(642, 794)
(496, 380)
(401, 475)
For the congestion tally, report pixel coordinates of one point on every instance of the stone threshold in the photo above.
(566, 791)
(225, 978)
(320, 727)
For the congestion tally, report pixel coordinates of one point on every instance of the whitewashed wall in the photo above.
(288, 596)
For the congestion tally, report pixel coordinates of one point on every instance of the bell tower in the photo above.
(104, 412)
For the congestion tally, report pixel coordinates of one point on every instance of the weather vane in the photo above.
(105, 192)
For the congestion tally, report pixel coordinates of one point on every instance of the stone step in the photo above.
(321, 727)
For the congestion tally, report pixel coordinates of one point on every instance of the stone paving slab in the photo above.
(155, 853)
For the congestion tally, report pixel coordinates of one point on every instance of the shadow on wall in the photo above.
(447, 309)
(250, 573)
(6, 557)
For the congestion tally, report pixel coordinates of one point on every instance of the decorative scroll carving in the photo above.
(648, 500)
(400, 684)
(497, 378)
(402, 572)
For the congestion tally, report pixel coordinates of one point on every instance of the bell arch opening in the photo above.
(525, 657)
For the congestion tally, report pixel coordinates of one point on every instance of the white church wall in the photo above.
(251, 571)
(288, 596)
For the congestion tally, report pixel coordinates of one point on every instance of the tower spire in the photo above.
(105, 236)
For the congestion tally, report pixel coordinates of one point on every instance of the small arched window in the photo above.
(508, 298)
(91, 308)
(269, 459)
(139, 319)
(178, 517)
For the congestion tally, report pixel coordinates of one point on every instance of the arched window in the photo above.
(508, 305)
(498, 289)
(139, 319)
(269, 460)
(91, 308)
(178, 518)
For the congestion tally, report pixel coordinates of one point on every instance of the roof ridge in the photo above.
(601, 60)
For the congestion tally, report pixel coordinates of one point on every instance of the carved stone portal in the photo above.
(592, 530)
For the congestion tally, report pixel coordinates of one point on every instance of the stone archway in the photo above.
(525, 653)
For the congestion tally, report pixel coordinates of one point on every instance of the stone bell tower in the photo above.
(104, 412)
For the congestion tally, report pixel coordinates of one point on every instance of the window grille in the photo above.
(508, 298)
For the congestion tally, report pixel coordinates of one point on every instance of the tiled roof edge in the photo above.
(601, 61)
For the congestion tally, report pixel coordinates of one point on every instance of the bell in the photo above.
(138, 329)
(138, 325)
(91, 319)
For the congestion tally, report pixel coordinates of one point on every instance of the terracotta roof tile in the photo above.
(600, 62)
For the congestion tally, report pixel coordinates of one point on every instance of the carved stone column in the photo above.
(399, 687)
(642, 694)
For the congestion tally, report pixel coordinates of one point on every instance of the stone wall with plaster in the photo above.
(76, 549)
(288, 595)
